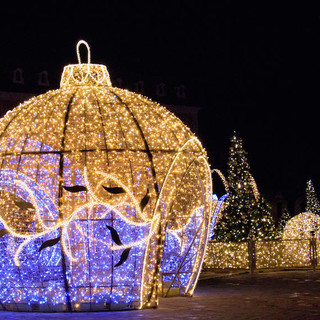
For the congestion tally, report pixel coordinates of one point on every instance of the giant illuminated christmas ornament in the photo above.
(103, 192)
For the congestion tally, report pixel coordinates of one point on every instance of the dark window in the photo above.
(43, 79)
(18, 76)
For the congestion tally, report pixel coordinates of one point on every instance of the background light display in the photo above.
(299, 239)
(301, 226)
(102, 192)
(246, 214)
(312, 202)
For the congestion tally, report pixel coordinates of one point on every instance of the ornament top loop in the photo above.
(78, 52)
(85, 73)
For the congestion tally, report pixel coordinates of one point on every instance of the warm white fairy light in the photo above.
(223, 179)
(293, 250)
(254, 187)
(301, 226)
(268, 254)
(101, 190)
(205, 227)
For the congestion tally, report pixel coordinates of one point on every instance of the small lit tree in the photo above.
(247, 214)
(264, 227)
(312, 199)
(285, 217)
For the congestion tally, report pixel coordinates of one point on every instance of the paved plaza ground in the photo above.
(261, 296)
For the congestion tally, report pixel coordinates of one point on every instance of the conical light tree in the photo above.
(312, 199)
(247, 214)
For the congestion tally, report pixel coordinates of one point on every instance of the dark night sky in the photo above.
(253, 68)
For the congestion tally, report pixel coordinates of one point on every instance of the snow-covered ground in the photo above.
(262, 296)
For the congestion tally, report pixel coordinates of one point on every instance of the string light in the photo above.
(293, 250)
(268, 254)
(101, 190)
(246, 214)
(301, 226)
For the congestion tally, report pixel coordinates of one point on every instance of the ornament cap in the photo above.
(84, 74)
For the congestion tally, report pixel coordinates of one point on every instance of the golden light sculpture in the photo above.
(301, 226)
(103, 192)
(297, 234)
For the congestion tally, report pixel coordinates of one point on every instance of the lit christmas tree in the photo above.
(312, 199)
(285, 217)
(247, 214)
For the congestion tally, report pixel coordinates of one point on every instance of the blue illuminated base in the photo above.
(44, 259)
(79, 307)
